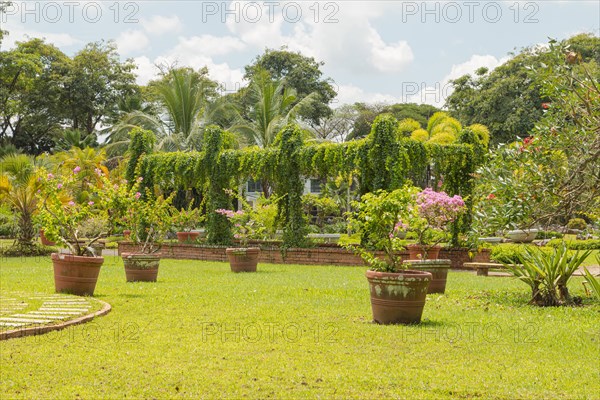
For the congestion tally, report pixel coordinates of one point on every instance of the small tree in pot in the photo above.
(430, 218)
(65, 204)
(185, 220)
(397, 294)
(148, 218)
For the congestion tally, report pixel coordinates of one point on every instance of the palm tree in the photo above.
(18, 187)
(270, 110)
(183, 97)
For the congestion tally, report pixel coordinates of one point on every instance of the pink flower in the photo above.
(76, 169)
(71, 203)
(98, 171)
(50, 176)
(90, 203)
(138, 195)
(59, 186)
(140, 179)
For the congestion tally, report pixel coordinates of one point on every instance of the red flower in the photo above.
(491, 196)
(545, 106)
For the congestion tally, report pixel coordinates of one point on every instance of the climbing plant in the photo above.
(142, 142)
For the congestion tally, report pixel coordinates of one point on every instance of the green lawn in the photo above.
(299, 331)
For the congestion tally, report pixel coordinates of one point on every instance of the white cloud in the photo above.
(436, 95)
(17, 33)
(160, 25)
(132, 41)
(209, 45)
(350, 94)
(146, 70)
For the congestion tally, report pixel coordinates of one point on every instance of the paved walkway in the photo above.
(41, 313)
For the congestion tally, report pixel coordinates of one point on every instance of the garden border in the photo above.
(321, 255)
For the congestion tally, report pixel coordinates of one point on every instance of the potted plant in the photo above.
(245, 227)
(149, 219)
(146, 217)
(430, 218)
(186, 220)
(397, 294)
(65, 204)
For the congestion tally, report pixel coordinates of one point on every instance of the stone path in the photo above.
(25, 314)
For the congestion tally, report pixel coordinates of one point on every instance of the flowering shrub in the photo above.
(245, 226)
(61, 213)
(148, 218)
(379, 217)
(433, 212)
(187, 219)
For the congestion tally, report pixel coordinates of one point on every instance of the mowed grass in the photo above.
(299, 331)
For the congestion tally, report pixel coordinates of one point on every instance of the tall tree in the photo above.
(508, 100)
(96, 82)
(31, 77)
(301, 73)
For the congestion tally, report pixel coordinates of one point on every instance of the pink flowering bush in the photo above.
(432, 213)
(64, 206)
(244, 225)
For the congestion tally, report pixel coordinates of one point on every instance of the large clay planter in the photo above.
(437, 268)
(398, 297)
(186, 237)
(416, 251)
(45, 240)
(522, 236)
(75, 274)
(243, 260)
(141, 267)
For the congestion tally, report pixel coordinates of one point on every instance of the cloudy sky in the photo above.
(390, 51)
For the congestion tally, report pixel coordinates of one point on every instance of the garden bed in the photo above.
(327, 253)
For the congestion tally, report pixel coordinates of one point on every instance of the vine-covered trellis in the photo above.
(379, 161)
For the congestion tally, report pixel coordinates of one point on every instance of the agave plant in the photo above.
(593, 282)
(547, 274)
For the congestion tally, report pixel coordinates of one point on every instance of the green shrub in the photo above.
(590, 244)
(549, 235)
(8, 221)
(577, 223)
(27, 251)
(509, 253)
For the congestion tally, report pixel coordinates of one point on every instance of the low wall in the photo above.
(321, 255)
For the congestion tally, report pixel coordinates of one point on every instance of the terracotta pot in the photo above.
(141, 267)
(45, 240)
(243, 260)
(437, 268)
(398, 297)
(75, 274)
(185, 237)
(416, 251)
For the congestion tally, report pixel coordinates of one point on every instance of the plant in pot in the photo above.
(149, 219)
(246, 226)
(397, 294)
(430, 218)
(186, 220)
(61, 214)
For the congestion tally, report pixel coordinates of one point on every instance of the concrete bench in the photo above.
(483, 268)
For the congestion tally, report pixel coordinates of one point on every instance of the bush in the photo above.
(590, 244)
(512, 253)
(8, 221)
(549, 235)
(27, 251)
(577, 223)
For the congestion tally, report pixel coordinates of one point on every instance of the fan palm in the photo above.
(183, 97)
(18, 187)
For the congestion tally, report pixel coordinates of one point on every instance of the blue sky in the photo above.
(391, 51)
